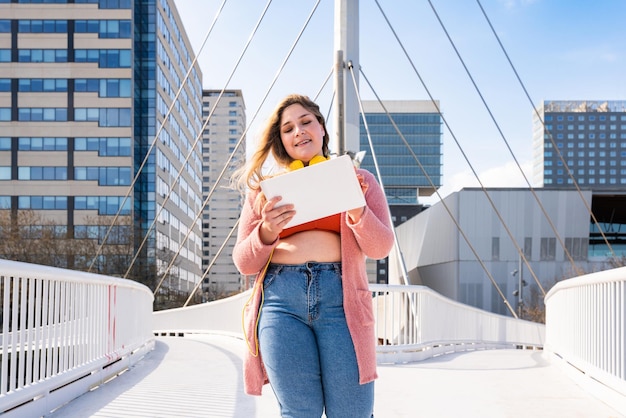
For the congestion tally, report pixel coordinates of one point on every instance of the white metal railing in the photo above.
(415, 322)
(223, 315)
(65, 332)
(412, 323)
(586, 329)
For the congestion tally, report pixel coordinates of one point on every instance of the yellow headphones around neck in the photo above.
(298, 164)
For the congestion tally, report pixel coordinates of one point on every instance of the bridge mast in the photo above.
(346, 46)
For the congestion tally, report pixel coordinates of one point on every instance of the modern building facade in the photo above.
(93, 128)
(420, 124)
(582, 141)
(411, 163)
(223, 150)
(438, 255)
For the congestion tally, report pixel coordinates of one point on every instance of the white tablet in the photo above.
(318, 190)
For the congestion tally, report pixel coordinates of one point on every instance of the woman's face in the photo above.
(301, 133)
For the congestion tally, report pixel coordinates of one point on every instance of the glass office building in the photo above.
(90, 131)
(410, 164)
(399, 159)
(583, 143)
(581, 140)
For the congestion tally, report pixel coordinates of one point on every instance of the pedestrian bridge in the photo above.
(76, 344)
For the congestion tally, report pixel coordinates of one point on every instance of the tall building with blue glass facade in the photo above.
(410, 162)
(399, 161)
(583, 140)
(94, 129)
(582, 144)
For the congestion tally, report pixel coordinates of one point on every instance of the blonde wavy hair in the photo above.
(251, 174)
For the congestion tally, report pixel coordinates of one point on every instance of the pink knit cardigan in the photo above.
(371, 237)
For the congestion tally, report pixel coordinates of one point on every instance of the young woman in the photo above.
(316, 343)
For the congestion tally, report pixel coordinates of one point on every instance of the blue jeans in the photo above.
(306, 346)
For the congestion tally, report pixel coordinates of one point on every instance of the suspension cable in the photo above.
(183, 165)
(217, 254)
(154, 141)
(206, 122)
(506, 228)
(442, 201)
(560, 155)
(243, 135)
(508, 146)
(234, 227)
(378, 174)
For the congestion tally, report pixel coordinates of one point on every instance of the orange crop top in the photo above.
(330, 223)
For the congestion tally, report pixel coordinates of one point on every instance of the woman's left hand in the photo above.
(355, 214)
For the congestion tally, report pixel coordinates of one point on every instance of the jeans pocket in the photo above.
(269, 278)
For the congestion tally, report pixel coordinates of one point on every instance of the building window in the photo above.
(42, 26)
(472, 294)
(42, 85)
(42, 55)
(106, 58)
(528, 248)
(495, 248)
(5, 173)
(106, 147)
(38, 231)
(42, 202)
(105, 28)
(104, 116)
(5, 114)
(42, 173)
(105, 205)
(42, 144)
(548, 249)
(117, 234)
(105, 176)
(47, 114)
(106, 87)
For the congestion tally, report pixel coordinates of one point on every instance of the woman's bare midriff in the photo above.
(314, 245)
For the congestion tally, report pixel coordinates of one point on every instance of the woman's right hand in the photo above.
(274, 218)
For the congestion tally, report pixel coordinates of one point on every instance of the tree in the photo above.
(27, 236)
(93, 246)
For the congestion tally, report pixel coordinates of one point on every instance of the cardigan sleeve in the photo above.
(373, 232)
(250, 254)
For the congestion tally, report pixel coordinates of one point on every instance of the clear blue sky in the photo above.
(561, 49)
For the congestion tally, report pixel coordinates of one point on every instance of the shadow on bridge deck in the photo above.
(200, 376)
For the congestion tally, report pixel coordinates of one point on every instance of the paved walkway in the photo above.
(200, 376)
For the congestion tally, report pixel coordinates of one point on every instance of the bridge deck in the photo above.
(200, 376)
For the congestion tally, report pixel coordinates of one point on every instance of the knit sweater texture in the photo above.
(371, 237)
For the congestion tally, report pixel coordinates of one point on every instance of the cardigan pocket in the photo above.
(366, 307)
